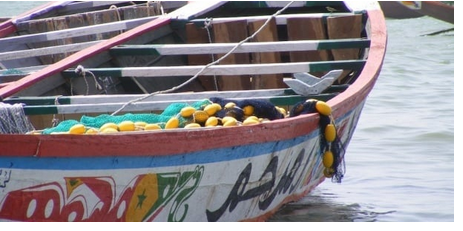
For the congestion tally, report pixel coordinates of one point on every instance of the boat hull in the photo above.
(242, 173)
(237, 183)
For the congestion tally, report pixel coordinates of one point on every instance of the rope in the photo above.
(114, 7)
(13, 120)
(208, 65)
(207, 24)
(55, 120)
(80, 70)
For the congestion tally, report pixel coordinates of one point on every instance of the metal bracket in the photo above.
(306, 84)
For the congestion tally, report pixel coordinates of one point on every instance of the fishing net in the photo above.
(337, 169)
(13, 119)
(262, 108)
(98, 121)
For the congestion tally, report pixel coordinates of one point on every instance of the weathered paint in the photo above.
(223, 184)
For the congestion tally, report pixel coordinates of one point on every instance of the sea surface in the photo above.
(400, 164)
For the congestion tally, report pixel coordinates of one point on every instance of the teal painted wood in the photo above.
(145, 106)
(95, 99)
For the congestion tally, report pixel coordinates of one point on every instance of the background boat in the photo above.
(442, 10)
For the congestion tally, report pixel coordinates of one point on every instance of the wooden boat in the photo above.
(294, 77)
(414, 9)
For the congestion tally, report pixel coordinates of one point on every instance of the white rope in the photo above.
(80, 70)
(13, 120)
(208, 65)
(207, 25)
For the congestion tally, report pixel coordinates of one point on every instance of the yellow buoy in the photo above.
(323, 108)
(150, 127)
(200, 116)
(126, 126)
(108, 125)
(187, 111)
(212, 121)
(140, 124)
(251, 120)
(328, 159)
(252, 117)
(193, 125)
(229, 122)
(227, 118)
(230, 105)
(328, 172)
(172, 123)
(77, 129)
(91, 131)
(211, 109)
(217, 106)
(330, 133)
(282, 111)
(109, 130)
(248, 110)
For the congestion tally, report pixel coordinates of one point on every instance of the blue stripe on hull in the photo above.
(101, 163)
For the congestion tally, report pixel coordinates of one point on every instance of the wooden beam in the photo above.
(218, 48)
(307, 28)
(226, 70)
(150, 106)
(280, 19)
(75, 32)
(343, 28)
(195, 36)
(267, 34)
(60, 49)
(98, 99)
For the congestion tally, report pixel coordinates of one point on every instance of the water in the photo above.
(400, 162)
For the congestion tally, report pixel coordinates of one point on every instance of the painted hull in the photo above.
(235, 183)
(412, 9)
(243, 173)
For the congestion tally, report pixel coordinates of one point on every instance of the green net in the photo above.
(161, 119)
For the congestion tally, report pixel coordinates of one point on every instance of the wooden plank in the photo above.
(189, 10)
(137, 12)
(94, 99)
(75, 32)
(49, 86)
(36, 27)
(87, 6)
(61, 24)
(307, 28)
(147, 106)
(198, 50)
(232, 32)
(106, 17)
(226, 70)
(280, 19)
(75, 21)
(11, 55)
(98, 99)
(341, 28)
(23, 71)
(195, 36)
(268, 33)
